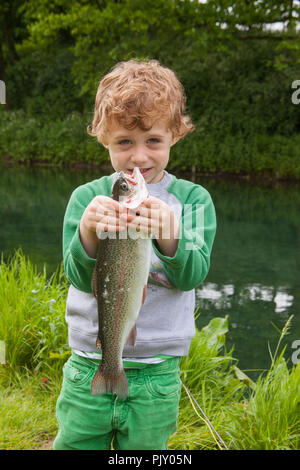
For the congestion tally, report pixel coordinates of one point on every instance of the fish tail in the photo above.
(103, 384)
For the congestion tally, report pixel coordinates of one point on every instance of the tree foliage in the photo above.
(236, 69)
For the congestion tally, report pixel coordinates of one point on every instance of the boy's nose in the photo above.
(139, 155)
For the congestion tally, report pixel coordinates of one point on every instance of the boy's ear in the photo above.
(174, 140)
(104, 143)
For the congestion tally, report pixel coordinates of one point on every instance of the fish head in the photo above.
(121, 187)
(130, 190)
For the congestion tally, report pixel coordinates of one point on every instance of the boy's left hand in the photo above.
(155, 217)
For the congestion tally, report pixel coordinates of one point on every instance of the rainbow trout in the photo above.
(119, 285)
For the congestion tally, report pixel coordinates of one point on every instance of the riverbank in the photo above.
(193, 174)
(246, 414)
(31, 141)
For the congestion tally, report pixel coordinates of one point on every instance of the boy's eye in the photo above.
(152, 140)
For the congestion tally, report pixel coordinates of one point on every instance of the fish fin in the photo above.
(144, 294)
(94, 282)
(98, 343)
(131, 337)
(117, 384)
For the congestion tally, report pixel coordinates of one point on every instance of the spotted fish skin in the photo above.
(119, 284)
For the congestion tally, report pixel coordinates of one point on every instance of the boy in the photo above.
(139, 115)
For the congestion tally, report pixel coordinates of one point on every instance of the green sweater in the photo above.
(186, 270)
(167, 315)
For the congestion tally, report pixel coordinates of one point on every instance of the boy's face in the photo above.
(148, 150)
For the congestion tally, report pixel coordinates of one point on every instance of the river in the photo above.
(254, 275)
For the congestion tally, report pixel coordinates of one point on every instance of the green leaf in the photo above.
(215, 332)
(244, 378)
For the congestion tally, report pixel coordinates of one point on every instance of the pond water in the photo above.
(254, 275)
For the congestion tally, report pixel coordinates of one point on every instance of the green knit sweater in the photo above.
(185, 270)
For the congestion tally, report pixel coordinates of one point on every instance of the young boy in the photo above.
(139, 115)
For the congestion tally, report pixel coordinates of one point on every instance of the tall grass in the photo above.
(246, 415)
(32, 323)
(210, 377)
(271, 417)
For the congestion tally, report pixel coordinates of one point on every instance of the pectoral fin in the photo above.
(131, 337)
(144, 294)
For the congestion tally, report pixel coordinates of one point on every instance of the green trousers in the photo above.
(145, 419)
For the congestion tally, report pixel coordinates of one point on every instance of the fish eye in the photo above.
(124, 186)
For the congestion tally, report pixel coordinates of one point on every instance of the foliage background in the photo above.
(237, 72)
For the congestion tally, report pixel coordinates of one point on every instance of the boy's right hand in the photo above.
(101, 215)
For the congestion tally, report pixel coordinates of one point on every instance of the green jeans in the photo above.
(145, 419)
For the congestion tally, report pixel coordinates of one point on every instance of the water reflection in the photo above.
(256, 312)
(254, 275)
(221, 296)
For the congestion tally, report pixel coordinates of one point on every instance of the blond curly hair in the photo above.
(136, 94)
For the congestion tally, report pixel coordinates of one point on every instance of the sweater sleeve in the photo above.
(78, 265)
(190, 264)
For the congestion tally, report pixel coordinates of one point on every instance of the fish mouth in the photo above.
(144, 171)
(131, 177)
(137, 187)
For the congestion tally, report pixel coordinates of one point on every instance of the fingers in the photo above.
(101, 227)
(108, 222)
(107, 215)
(104, 203)
(143, 224)
(145, 220)
(153, 217)
(103, 215)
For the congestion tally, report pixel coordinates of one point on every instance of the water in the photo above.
(254, 275)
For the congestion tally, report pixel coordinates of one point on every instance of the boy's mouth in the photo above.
(144, 171)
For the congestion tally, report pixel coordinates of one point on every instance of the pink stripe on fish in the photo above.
(120, 294)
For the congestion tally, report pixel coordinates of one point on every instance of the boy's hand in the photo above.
(155, 217)
(101, 215)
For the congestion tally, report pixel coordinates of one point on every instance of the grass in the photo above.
(32, 323)
(27, 412)
(246, 415)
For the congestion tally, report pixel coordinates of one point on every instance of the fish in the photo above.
(119, 283)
